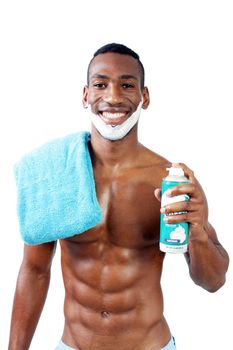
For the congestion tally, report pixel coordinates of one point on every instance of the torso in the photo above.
(112, 272)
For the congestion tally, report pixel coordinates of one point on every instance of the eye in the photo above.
(99, 85)
(127, 86)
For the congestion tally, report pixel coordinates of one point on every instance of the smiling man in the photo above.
(112, 272)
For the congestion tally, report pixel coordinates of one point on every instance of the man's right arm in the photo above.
(30, 295)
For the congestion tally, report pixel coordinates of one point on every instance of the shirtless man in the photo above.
(113, 297)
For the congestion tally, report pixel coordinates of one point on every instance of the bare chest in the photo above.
(130, 212)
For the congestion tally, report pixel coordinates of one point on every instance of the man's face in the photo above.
(114, 91)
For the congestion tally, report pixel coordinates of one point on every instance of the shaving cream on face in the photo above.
(116, 132)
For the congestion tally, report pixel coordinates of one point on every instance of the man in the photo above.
(113, 297)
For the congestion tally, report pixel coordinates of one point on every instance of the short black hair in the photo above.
(123, 50)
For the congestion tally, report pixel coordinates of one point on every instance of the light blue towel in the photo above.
(56, 190)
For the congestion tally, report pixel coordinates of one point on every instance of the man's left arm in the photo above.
(207, 260)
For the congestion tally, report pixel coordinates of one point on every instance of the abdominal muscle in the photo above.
(113, 298)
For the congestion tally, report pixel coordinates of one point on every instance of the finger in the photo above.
(187, 171)
(185, 217)
(181, 189)
(157, 193)
(179, 207)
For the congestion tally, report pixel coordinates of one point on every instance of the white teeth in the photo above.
(113, 115)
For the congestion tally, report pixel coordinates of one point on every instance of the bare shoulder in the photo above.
(153, 163)
(153, 157)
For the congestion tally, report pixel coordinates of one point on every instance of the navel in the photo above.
(105, 314)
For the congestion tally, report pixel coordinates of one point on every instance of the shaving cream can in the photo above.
(173, 236)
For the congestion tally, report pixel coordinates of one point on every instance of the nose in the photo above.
(113, 95)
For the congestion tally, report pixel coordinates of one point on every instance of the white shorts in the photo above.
(170, 346)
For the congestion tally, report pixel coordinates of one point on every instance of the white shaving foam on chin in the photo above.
(119, 131)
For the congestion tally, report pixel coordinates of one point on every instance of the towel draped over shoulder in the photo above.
(56, 190)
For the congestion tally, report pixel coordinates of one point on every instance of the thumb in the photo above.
(157, 194)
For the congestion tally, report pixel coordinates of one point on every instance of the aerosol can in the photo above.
(173, 237)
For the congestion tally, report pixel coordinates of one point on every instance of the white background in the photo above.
(186, 48)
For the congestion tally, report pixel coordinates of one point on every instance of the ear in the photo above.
(85, 96)
(146, 98)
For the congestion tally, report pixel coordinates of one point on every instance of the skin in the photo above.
(112, 272)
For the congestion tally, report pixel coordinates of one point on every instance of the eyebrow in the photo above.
(99, 76)
(123, 77)
(128, 76)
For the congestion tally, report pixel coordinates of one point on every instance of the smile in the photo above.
(113, 119)
(109, 115)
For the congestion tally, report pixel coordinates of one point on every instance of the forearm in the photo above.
(30, 295)
(207, 259)
(208, 262)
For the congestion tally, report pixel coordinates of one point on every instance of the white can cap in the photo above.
(175, 171)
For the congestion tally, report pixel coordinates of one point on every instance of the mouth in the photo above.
(113, 118)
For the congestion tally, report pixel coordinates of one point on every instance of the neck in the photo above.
(114, 155)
